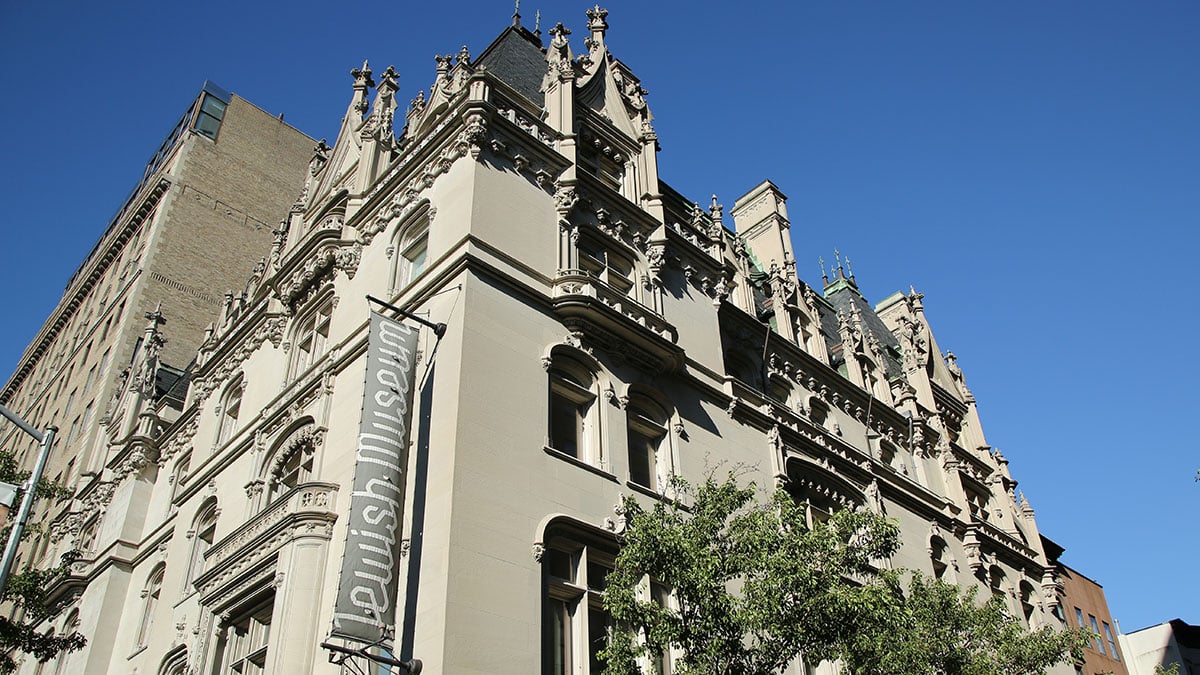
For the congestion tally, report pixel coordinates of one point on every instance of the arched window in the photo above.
(150, 595)
(649, 445)
(574, 430)
(997, 584)
(310, 337)
(943, 564)
(179, 476)
(71, 625)
(411, 244)
(87, 537)
(175, 663)
(575, 568)
(41, 665)
(204, 533)
(1029, 604)
(231, 407)
(292, 461)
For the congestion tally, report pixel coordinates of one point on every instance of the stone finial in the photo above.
(362, 82)
(537, 23)
(155, 319)
(362, 76)
(824, 276)
(516, 14)
(559, 35)
(597, 25)
(464, 56)
(443, 65)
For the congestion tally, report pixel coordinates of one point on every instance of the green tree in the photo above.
(755, 587)
(28, 590)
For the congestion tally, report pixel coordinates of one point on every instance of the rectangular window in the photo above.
(572, 430)
(414, 259)
(566, 424)
(1097, 641)
(644, 440)
(208, 120)
(246, 641)
(1112, 644)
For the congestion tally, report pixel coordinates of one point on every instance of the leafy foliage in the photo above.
(940, 628)
(755, 587)
(28, 590)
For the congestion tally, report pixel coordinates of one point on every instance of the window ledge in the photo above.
(649, 492)
(580, 463)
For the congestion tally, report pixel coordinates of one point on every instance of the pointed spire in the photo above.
(537, 23)
(849, 272)
(824, 276)
(837, 256)
(516, 14)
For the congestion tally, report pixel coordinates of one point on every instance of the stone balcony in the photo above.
(306, 510)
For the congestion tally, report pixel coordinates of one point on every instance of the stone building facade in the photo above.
(193, 227)
(604, 333)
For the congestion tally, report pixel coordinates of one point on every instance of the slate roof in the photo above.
(517, 57)
(843, 296)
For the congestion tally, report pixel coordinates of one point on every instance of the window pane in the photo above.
(597, 576)
(565, 425)
(560, 565)
(415, 260)
(1098, 641)
(560, 637)
(213, 106)
(641, 459)
(598, 620)
(1112, 644)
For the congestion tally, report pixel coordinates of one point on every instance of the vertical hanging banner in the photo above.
(367, 587)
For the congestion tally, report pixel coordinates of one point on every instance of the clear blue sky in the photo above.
(1032, 167)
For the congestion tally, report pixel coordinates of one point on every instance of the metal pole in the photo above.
(439, 329)
(14, 539)
(21, 423)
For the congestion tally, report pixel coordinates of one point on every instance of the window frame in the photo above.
(410, 245)
(227, 419)
(602, 268)
(573, 386)
(648, 423)
(310, 337)
(203, 535)
(151, 595)
(244, 642)
(576, 601)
